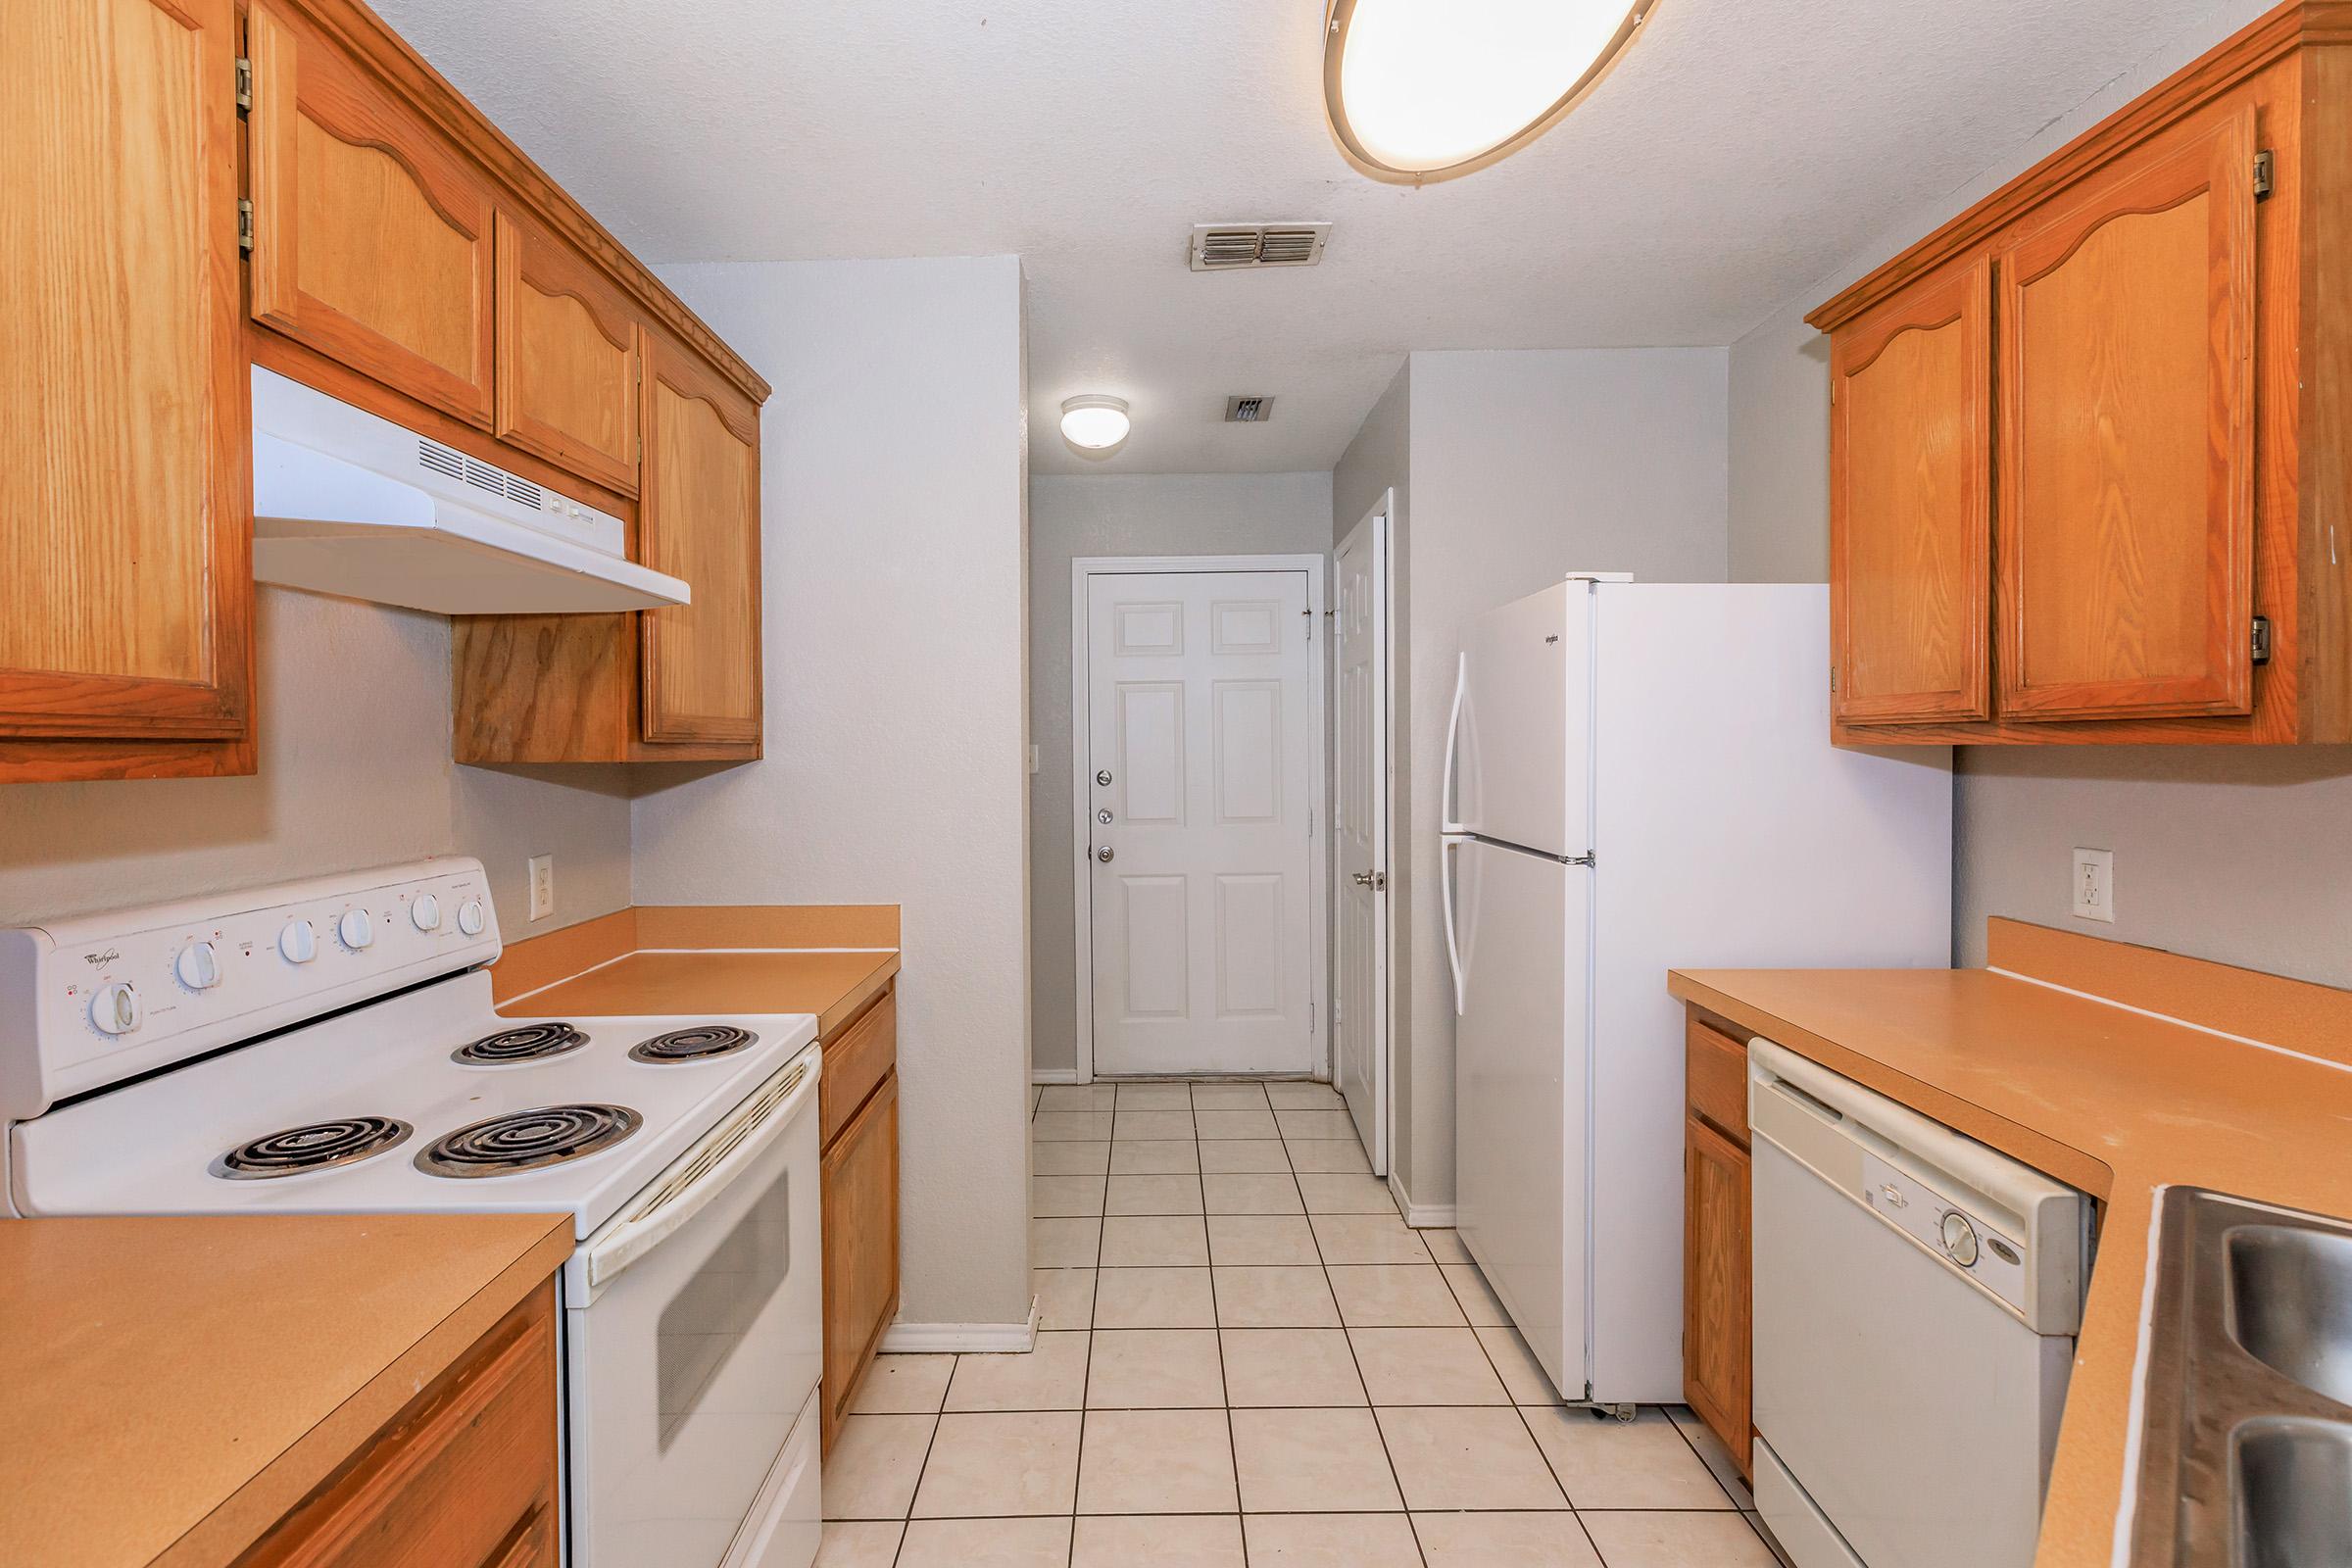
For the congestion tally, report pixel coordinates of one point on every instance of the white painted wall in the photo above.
(2226, 854)
(1517, 467)
(355, 771)
(1119, 514)
(894, 476)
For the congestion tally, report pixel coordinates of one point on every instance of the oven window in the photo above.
(705, 1324)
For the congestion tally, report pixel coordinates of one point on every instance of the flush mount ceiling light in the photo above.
(1420, 90)
(1095, 423)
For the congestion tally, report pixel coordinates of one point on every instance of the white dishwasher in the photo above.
(1917, 1297)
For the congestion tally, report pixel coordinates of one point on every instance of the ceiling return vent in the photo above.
(1249, 410)
(1234, 247)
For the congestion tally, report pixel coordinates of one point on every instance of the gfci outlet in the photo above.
(543, 885)
(2094, 885)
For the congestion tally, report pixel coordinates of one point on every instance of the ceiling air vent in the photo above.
(1249, 410)
(1230, 247)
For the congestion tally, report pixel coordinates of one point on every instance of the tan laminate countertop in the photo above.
(169, 1387)
(2112, 1099)
(825, 960)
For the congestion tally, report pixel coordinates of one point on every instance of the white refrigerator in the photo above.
(1640, 777)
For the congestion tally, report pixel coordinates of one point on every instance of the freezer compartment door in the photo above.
(1523, 723)
(1523, 928)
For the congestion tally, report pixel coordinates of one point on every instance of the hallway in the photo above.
(1245, 1357)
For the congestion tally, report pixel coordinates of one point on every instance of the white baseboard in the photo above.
(1420, 1216)
(1052, 1075)
(933, 1339)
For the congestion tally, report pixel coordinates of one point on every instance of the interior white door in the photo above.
(1359, 1022)
(1200, 782)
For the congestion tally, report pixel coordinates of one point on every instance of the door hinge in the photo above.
(244, 82)
(1310, 1018)
(245, 225)
(2262, 639)
(1310, 623)
(2263, 168)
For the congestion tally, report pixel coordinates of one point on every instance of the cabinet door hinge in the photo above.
(245, 225)
(2264, 167)
(1833, 678)
(2262, 639)
(244, 82)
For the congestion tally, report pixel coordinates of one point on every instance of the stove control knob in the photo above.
(298, 942)
(471, 917)
(424, 912)
(1960, 1240)
(114, 1009)
(198, 966)
(355, 930)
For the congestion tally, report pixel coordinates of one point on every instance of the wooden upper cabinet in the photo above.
(568, 357)
(1911, 507)
(372, 235)
(2126, 450)
(126, 496)
(699, 519)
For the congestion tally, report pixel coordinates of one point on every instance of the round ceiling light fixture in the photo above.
(1095, 423)
(1420, 90)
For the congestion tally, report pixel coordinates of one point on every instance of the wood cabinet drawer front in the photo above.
(1716, 1069)
(857, 1059)
(466, 1477)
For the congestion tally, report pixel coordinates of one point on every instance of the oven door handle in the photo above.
(703, 1173)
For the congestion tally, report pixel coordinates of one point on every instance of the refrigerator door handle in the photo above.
(1453, 948)
(1447, 821)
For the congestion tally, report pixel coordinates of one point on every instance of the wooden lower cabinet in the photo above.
(464, 1476)
(1717, 1271)
(860, 1195)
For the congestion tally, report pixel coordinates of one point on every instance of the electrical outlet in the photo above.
(2094, 885)
(543, 885)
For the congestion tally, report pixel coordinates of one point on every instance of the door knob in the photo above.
(1104, 855)
(1103, 777)
(1374, 880)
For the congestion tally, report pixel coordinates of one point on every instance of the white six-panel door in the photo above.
(1199, 767)
(1359, 1025)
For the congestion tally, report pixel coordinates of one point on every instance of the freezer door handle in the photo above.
(1453, 948)
(1447, 821)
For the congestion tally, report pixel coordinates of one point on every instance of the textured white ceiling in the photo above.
(1741, 150)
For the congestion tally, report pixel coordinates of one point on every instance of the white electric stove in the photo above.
(330, 1047)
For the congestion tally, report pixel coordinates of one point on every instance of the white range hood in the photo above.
(347, 503)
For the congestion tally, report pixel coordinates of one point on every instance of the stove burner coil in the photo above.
(534, 1042)
(693, 1045)
(527, 1140)
(319, 1145)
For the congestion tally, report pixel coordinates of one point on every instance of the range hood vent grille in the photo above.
(435, 458)
(1237, 247)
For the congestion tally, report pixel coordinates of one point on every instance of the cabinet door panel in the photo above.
(861, 1245)
(1911, 515)
(371, 239)
(699, 519)
(2127, 533)
(126, 496)
(568, 358)
(1718, 1350)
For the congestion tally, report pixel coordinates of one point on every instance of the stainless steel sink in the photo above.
(2290, 1303)
(2294, 1494)
(2247, 1459)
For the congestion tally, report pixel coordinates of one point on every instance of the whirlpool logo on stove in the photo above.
(100, 960)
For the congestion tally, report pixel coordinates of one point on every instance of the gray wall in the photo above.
(1522, 466)
(2229, 853)
(1072, 516)
(893, 474)
(355, 771)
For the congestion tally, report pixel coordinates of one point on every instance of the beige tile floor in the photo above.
(1247, 1361)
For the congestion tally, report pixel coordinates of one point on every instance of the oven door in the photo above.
(695, 1338)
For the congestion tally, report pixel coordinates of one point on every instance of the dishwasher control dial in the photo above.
(1960, 1240)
